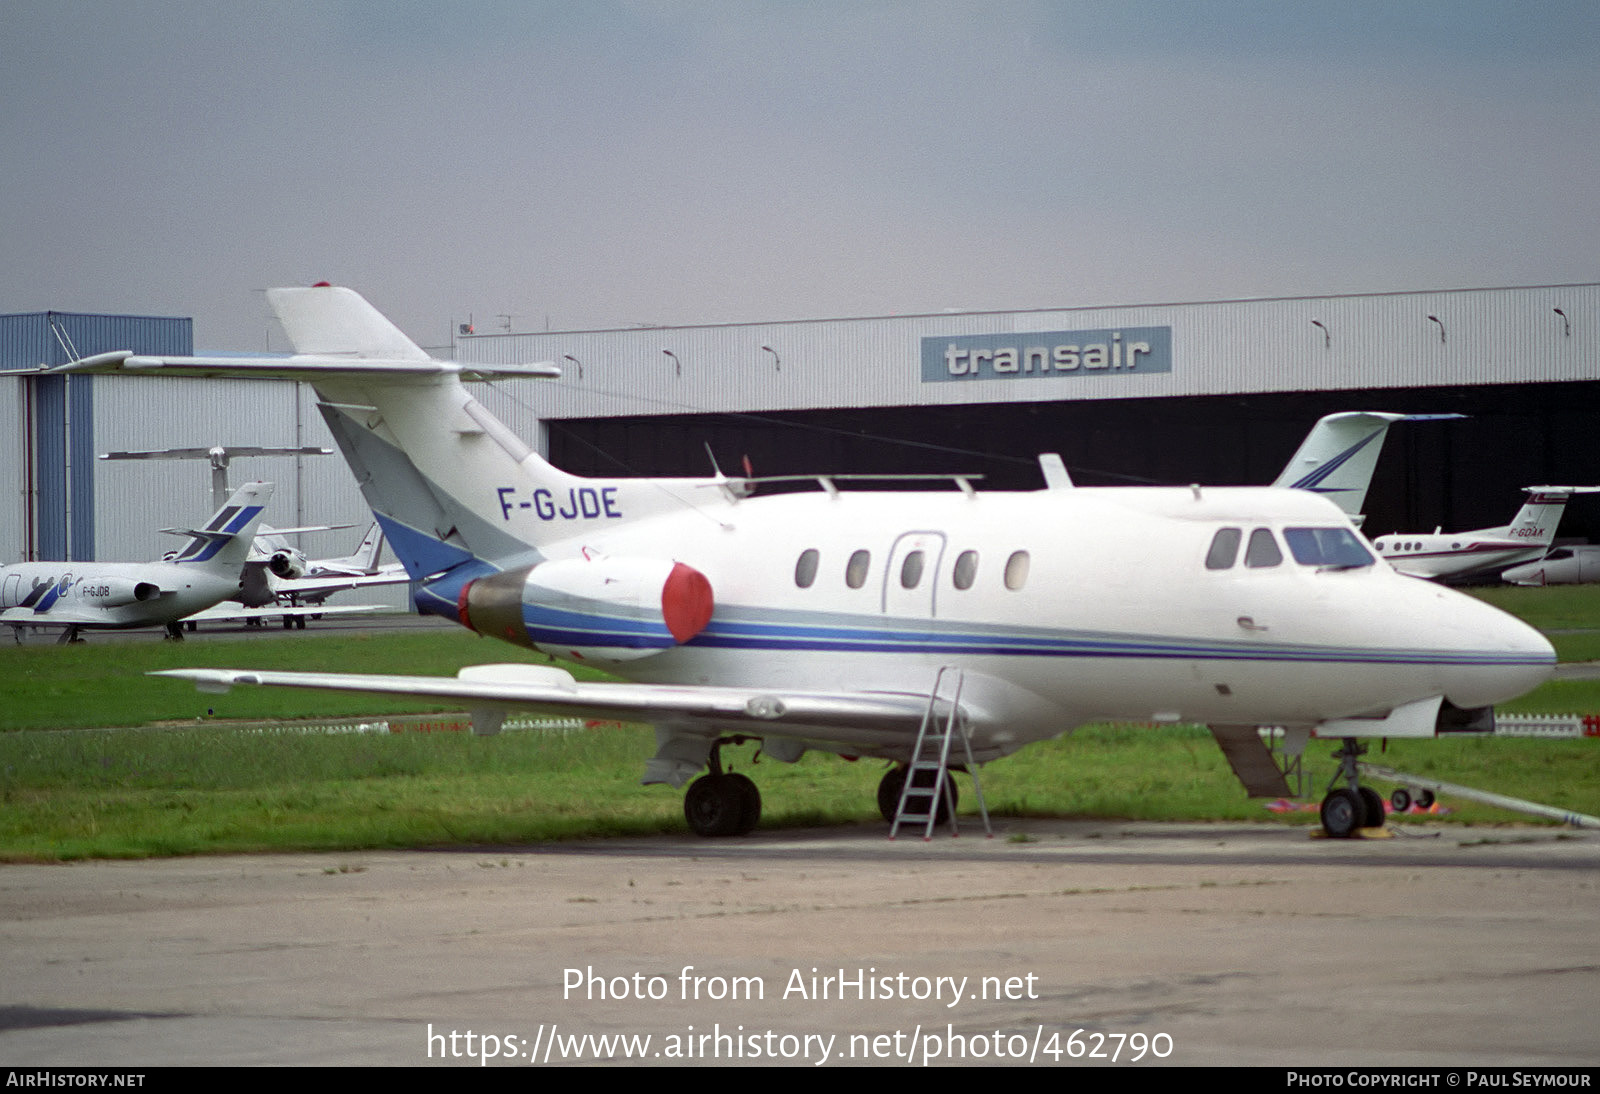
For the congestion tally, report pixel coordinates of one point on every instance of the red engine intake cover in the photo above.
(686, 602)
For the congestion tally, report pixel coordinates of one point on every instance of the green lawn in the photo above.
(177, 778)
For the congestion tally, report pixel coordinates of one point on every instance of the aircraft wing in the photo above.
(326, 584)
(231, 610)
(27, 617)
(860, 722)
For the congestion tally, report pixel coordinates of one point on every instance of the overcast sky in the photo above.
(594, 163)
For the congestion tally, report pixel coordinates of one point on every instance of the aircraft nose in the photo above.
(1502, 657)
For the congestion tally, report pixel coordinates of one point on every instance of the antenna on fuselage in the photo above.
(1055, 472)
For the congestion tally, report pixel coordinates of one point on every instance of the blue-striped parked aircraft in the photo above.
(821, 620)
(127, 595)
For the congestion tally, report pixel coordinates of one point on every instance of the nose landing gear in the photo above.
(1348, 809)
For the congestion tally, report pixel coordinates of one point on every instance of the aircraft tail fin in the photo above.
(223, 544)
(1536, 522)
(331, 321)
(1338, 456)
(365, 558)
(448, 481)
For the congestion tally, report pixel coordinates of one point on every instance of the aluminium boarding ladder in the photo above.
(930, 758)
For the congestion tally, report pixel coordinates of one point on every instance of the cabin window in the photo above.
(1326, 547)
(1263, 550)
(966, 571)
(855, 572)
(911, 570)
(1017, 570)
(1224, 549)
(805, 570)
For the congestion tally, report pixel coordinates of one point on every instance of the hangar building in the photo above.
(1215, 392)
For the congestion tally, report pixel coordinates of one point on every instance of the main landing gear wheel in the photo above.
(1372, 807)
(894, 782)
(722, 805)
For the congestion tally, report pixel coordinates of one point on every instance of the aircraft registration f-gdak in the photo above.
(824, 620)
(128, 595)
(1455, 555)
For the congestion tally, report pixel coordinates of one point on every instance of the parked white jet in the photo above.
(127, 595)
(821, 620)
(279, 582)
(1456, 555)
(1578, 565)
(279, 573)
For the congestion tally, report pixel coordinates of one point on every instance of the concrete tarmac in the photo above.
(1181, 944)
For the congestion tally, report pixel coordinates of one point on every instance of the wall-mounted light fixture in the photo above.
(1327, 338)
(677, 365)
(1436, 319)
(574, 360)
(1564, 321)
(777, 362)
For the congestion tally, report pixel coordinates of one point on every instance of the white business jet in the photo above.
(1576, 565)
(278, 575)
(127, 595)
(1456, 555)
(824, 620)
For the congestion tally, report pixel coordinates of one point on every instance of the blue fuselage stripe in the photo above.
(545, 626)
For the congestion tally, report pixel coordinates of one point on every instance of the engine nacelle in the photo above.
(287, 562)
(116, 592)
(607, 609)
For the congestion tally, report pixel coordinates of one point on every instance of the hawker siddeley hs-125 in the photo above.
(822, 620)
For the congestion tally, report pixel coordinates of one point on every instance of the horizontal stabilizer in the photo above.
(288, 368)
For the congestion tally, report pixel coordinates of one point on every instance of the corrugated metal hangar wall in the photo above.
(1193, 392)
(1174, 393)
(62, 502)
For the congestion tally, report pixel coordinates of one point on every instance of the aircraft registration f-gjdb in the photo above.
(127, 595)
(822, 620)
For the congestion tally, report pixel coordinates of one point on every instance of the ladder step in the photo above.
(931, 755)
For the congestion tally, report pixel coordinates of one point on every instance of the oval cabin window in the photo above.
(855, 573)
(1017, 570)
(966, 571)
(805, 570)
(911, 570)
